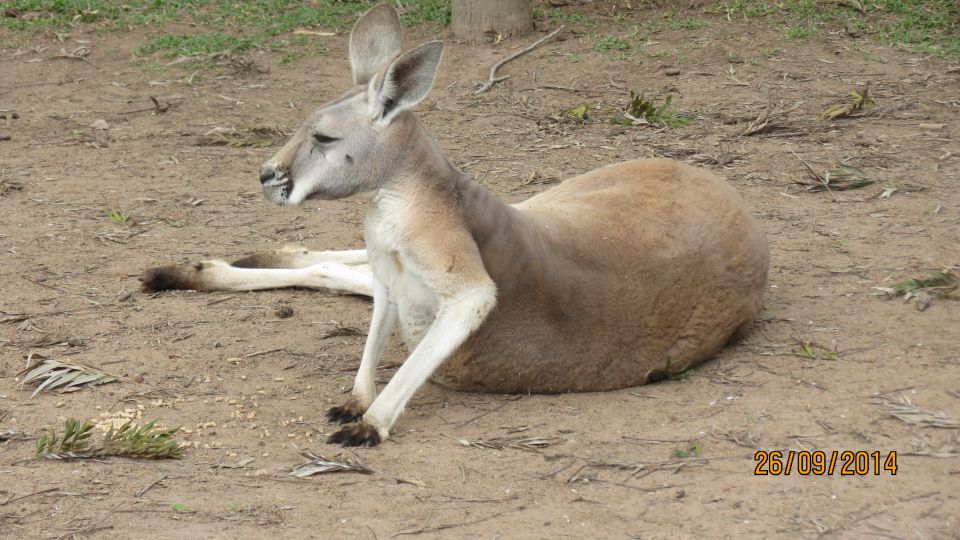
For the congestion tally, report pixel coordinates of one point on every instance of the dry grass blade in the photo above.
(7, 318)
(49, 373)
(840, 178)
(255, 137)
(862, 99)
(770, 119)
(319, 464)
(129, 440)
(903, 409)
(6, 186)
(949, 448)
(944, 285)
(339, 330)
(528, 444)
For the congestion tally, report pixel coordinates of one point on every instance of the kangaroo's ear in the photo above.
(406, 82)
(374, 41)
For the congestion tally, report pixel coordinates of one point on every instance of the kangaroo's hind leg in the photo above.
(341, 271)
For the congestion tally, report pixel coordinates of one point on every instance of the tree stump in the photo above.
(482, 20)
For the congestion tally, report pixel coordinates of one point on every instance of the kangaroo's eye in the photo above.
(323, 139)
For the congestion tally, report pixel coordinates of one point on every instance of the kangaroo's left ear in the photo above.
(405, 82)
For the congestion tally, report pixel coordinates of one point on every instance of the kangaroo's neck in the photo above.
(426, 180)
(492, 222)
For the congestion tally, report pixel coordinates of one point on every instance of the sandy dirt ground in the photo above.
(667, 460)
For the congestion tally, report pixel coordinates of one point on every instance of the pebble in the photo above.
(100, 123)
(671, 71)
(5, 137)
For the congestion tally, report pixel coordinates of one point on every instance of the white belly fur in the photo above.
(416, 303)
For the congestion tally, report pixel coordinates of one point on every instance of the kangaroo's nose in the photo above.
(267, 172)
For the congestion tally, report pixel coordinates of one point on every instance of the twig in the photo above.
(261, 353)
(486, 86)
(484, 413)
(452, 525)
(151, 484)
(42, 491)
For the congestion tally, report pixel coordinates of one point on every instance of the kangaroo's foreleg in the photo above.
(382, 323)
(456, 320)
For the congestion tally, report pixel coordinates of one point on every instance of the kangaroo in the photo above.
(611, 279)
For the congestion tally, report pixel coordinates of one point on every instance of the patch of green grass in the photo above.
(557, 16)
(639, 111)
(693, 450)
(62, 14)
(932, 26)
(944, 284)
(610, 43)
(771, 53)
(798, 32)
(174, 45)
(436, 12)
(118, 216)
(663, 53)
(222, 25)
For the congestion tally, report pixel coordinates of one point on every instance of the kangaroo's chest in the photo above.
(416, 303)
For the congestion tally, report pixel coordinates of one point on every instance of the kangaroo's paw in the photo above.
(181, 277)
(358, 434)
(351, 411)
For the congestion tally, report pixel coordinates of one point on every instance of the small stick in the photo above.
(42, 491)
(483, 87)
(151, 484)
(261, 353)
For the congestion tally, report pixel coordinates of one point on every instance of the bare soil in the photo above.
(250, 387)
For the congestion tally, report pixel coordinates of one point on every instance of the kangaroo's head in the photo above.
(351, 144)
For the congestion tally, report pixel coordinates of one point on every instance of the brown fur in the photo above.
(613, 278)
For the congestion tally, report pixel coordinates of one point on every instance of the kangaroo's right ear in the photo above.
(374, 41)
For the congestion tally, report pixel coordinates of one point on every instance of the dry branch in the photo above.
(486, 86)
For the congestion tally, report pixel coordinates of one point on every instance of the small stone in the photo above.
(671, 71)
(284, 312)
(100, 123)
(5, 137)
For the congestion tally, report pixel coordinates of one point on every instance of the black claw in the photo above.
(350, 411)
(359, 434)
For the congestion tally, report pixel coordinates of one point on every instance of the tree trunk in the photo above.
(479, 20)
